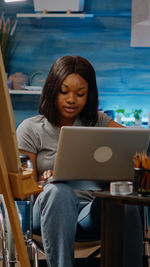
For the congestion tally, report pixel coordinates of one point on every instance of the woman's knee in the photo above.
(57, 200)
(57, 196)
(59, 191)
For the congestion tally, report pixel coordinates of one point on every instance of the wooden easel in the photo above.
(14, 183)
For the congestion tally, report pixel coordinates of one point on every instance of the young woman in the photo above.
(69, 97)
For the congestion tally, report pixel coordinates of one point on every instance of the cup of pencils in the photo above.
(142, 173)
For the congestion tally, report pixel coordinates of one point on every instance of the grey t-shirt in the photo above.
(38, 136)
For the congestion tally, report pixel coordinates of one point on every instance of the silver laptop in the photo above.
(98, 153)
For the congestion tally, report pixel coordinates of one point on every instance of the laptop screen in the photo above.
(98, 153)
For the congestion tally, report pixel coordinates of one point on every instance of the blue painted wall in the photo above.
(123, 72)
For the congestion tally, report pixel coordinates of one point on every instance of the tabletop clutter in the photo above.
(142, 173)
(141, 184)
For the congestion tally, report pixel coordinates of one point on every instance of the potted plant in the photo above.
(7, 29)
(119, 110)
(137, 115)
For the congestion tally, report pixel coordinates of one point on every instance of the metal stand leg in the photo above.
(11, 258)
(11, 245)
(9, 254)
(35, 254)
(145, 240)
(145, 254)
(33, 251)
(3, 239)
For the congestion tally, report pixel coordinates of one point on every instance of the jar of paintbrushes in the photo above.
(142, 173)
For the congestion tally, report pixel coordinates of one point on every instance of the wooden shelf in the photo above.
(102, 93)
(25, 92)
(54, 15)
(119, 92)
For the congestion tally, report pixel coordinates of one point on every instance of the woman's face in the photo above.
(71, 98)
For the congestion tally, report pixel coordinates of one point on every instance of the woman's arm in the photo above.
(114, 124)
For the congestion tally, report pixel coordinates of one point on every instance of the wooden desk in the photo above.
(112, 225)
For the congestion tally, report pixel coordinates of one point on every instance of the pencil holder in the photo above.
(142, 181)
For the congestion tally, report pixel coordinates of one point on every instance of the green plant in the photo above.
(119, 110)
(7, 29)
(137, 113)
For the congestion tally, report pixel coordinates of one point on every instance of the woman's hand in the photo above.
(46, 174)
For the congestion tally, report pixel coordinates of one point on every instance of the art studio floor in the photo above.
(78, 262)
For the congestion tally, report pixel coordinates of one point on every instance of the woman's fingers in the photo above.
(46, 175)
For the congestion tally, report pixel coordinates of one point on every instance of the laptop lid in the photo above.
(98, 153)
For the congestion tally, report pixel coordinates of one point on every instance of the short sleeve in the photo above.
(26, 137)
(103, 119)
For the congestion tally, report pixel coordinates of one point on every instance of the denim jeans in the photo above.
(57, 214)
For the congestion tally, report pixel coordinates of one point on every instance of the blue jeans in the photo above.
(61, 220)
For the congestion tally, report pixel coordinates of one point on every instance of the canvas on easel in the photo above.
(14, 183)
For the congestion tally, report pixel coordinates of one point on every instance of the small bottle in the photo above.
(26, 162)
